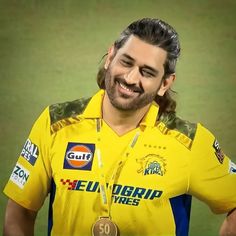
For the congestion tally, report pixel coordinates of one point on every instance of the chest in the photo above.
(151, 162)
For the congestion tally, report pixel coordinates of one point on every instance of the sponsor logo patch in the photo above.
(232, 168)
(79, 156)
(30, 152)
(121, 194)
(218, 152)
(19, 175)
(152, 164)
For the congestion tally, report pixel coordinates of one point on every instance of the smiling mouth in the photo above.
(124, 87)
(129, 89)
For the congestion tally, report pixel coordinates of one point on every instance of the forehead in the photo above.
(143, 52)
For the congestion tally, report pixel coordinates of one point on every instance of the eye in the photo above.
(147, 73)
(126, 63)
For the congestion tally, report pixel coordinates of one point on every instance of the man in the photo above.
(121, 162)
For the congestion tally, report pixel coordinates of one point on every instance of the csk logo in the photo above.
(152, 164)
(79, 156)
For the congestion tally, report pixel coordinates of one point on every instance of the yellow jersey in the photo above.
(151, 171)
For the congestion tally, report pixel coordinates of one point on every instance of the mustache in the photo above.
(132, 87)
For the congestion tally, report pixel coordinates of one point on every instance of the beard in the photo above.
(125, 102)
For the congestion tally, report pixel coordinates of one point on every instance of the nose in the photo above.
(132, 76)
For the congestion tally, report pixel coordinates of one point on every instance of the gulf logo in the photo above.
(79, 156)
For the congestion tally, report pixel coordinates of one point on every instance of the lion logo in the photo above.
(152, 164)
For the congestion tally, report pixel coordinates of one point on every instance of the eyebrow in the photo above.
(144, 66)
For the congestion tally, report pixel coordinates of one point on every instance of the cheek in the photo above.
(110, 71)
(151, 85)
(117, 69)
(109, 77)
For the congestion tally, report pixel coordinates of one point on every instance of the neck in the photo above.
(121, 121)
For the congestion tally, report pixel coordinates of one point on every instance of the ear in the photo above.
(109, 58)
(166, 84)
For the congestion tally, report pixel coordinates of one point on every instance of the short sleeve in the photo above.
(30, 179)
(212, 173)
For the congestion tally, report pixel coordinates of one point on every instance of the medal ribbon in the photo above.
(106, 190)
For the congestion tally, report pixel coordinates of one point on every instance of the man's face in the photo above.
(134, 74)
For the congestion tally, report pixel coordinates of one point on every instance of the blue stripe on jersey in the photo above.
(181, 207)
(50, 211)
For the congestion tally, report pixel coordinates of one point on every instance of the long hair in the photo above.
(157, 33)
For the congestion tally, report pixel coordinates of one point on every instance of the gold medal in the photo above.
(104, 227)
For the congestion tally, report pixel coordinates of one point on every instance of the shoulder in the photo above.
(172, 122)
(69, 109)
(192, 135)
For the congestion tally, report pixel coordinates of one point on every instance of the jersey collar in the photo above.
(151, 116)
(94, 107)
(93, 110)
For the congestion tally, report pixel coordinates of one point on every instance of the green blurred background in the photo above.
(50, 51)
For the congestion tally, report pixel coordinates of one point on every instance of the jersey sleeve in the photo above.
(30, 179)
(212, 173)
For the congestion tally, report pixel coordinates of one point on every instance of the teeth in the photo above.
(124, 87)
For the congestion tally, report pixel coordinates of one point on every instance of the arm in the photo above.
(18, 220)
(228, 228)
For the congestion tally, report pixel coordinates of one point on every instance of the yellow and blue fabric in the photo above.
(171, 161)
